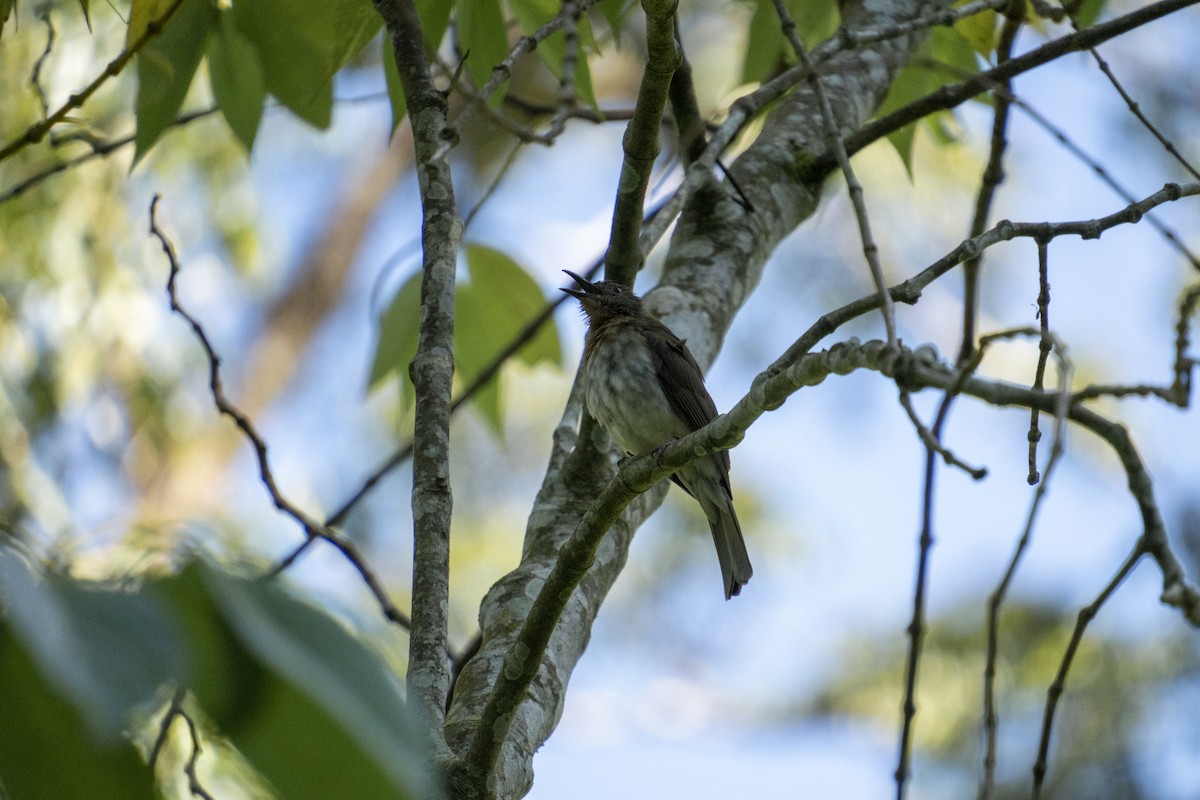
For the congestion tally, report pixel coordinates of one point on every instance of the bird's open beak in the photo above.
(588, 286)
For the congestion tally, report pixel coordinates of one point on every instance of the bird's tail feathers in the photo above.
(731, 547)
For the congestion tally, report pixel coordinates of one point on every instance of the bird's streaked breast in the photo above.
(622, 390)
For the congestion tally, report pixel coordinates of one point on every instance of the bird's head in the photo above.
(604, 300)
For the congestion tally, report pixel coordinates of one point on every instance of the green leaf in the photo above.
(1088, 12)
(165, 67)
(395, 89)
(45, 749)
(764, 44)
(766, 47)
(141, 14)
(223, 673)
(816, 20)
(106, 651)
(531, 15)
(6, 9)
(399, 326)
(980, 31)
(500, 300)
(481, 34)
(921, 78)
(614, 12)
(302, 44)
(237, 79)
(473, 343)
(950, 46)
(493, 309)
(516, 301)
(435, 19)
(327, 718)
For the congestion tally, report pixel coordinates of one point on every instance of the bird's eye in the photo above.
(618, 290)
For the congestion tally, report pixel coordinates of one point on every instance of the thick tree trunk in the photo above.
(715, 260)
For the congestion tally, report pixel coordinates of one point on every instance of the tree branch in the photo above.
(954, 94)
(640, 142)
(312, 528)
(432, 372)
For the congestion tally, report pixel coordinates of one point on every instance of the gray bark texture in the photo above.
(715, 259)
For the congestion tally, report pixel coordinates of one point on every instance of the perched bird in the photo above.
(643, 385)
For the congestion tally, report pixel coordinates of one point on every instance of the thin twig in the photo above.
(1045, 345)
(1178, 393)
(954, 94)
(1136, 110)
(176, 710)
(503, 71)
(996, 599)
(581, 112)
(527, 44)
(566, 86)
(1054, 694)
(1093, 164)
(685, 108)
(99, 149)
(834, 138)
(847, 38)
(916, 626)
(312, 528)
(35, 76)
(36, 132)
(993, 176)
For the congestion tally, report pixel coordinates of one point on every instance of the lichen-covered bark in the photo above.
(715, 260)
(432, 372)
(719, 248)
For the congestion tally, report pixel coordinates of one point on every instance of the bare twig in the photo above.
(1093, 164)
(834, 137)
(1177, 592)
(176, 710)
(916, 626)
(566, 87)
(99, 149)
(954, 94)
(685, 108)
(527, 44)
(1179, 391)
(1054, 694)
(993, 176)
(312, 528)
(996, 599)
(1045, 345)
(35, 77)
(1136, 110)
(582, 112)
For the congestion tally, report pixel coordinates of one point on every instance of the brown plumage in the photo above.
(643, 385)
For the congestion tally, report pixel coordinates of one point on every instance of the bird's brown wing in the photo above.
(681, 380)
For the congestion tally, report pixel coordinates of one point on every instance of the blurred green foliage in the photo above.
(307, 704)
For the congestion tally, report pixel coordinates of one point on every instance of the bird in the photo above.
(642, 384)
